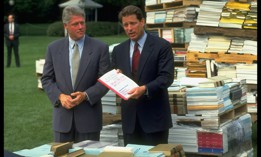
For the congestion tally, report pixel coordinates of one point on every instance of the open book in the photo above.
(119, 83)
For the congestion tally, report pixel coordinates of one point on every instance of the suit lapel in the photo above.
(126, 59)
(65, 66)
(146, 52)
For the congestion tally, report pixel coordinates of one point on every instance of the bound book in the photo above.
(211, 83)
(116, 151)
(167, 149)
(59, 149)
(119, 83)
(76, 153)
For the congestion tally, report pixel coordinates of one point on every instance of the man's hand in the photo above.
(78, 97)
(70, 101)
(66, 101)
(137, 92)
(11, 37)
(118, 71)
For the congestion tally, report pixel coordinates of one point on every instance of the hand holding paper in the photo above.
(118, 83)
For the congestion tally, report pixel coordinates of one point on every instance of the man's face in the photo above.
(133, 27)
(10, 18)
(76, 27)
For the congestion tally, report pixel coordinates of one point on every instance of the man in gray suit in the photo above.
(77, 112)
(148, 60)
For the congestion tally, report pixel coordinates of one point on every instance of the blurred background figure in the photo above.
(12, 33)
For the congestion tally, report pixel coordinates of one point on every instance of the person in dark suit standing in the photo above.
(75, 92)
(12, 33)
(146, 116)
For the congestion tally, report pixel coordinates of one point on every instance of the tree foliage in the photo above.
(47, 11)
(121, 2)
(34, 10)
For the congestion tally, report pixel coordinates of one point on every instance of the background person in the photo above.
(12, 33)
(77, 112)
(146, 117)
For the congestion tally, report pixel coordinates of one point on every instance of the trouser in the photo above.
(16, 54)
(74, 136)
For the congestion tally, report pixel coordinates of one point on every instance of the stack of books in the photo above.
(166, 1)
(209, 13)
(249, 47)
(243, 85)
(198, 43)
(151, 2)
(179, 36)
(182, 35)
(229, 139)
(168, 34)
(113, 134)
(187, 34)
(212, 142)
(251, 17)
(208, 100)
(218, 44)
(169, 150)
(248, 72)
(186, 135)
(150, 19)
(154, 32)
(180, 72)
(196, 69)
(177, 99)
(92, 144)
(227, 70)
(143, 151)
(39, 64)
(160, 16)
(236, 45)
(185, 14)
(169, 16)
(233, 15)
(235, 92)
(111, 103)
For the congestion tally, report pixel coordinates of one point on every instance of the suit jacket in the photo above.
(156, 71)
(56, 79)
(16, 34)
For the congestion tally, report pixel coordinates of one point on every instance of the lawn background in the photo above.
(27, 110)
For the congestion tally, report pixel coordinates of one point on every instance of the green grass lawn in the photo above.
(27, 110)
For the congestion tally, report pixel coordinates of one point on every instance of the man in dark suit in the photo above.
(76, 97)
(12, 33)
(146, 117)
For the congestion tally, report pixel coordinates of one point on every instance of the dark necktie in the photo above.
(75, 63)
(135, 60)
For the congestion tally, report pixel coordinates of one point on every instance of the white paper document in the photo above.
(119, 83)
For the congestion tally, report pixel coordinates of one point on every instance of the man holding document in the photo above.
(148, 60)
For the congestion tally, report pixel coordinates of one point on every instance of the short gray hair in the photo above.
(70, 11)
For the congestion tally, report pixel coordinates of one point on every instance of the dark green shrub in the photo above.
(94, 29)
(29, 29)
(55, 29)
(103, 28)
